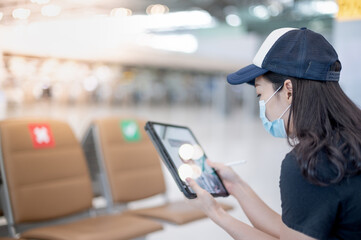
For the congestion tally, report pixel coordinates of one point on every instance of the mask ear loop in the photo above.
(273, 94)
(285, 111)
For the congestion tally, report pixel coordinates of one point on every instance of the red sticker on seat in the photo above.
(41, 135)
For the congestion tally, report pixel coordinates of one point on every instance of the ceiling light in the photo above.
(185, 43)
(261, 12)
(233, 20)
(325, 7)
(50, 10)
(179, 20)
(275, 8)
(230, 9)
(157, 9)
(40, 1)
(90, 83)
(317, 8)
(120, 12)
(21, 13)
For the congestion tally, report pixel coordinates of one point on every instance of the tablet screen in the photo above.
(188, 157)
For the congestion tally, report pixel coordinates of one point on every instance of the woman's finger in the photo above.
(193, 184)
(215, 165)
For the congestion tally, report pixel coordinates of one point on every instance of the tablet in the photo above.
(184, 157)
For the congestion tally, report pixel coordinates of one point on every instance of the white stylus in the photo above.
(229, 164)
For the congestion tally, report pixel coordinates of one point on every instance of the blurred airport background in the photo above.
(164, 60)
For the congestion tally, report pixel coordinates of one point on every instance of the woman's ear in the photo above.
(287, 85)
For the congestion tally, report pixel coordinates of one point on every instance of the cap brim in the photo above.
(246, 75)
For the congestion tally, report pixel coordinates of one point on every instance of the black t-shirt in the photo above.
(330, 212)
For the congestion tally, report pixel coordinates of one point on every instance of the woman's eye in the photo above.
(259, 95)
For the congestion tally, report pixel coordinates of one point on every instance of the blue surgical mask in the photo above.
(277, 127)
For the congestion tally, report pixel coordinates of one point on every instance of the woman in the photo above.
(296, 73)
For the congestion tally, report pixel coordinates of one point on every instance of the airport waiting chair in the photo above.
(8, 238)
(45, 177)
(125, 167)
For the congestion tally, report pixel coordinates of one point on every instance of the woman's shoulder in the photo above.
(291, 172)
(290, 165)
(290, 159)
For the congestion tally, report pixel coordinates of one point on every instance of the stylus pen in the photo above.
(229, 164)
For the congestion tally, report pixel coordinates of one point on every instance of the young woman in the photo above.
(295, 74)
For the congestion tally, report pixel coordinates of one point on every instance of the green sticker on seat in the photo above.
(130, 130)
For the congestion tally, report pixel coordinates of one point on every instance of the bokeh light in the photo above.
(185, 171)
(186, 152)
(197, 152)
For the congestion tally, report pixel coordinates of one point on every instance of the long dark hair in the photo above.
(325, 121)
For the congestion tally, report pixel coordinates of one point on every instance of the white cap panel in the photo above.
(268, 43)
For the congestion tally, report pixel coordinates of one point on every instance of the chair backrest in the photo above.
(45, 170)
(133, 168)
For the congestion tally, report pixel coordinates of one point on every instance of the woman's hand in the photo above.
(229, 178)
(204, 200)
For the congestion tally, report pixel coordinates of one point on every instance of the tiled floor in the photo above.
(239, 136)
